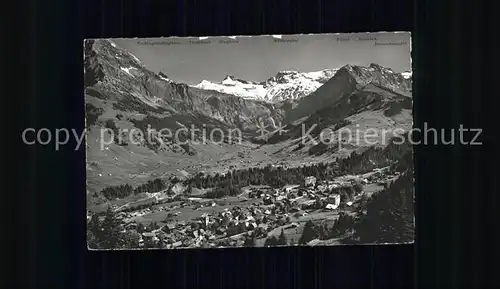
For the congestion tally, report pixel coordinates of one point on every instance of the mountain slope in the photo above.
(113, 74)
(363, 103)
(346, 81)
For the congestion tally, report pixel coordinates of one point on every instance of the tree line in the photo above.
(110, 234)
(122, 191)
(355, 163)
(226, 190)
(388, 217)
(389, 214)
(399, 156)
(275, 176)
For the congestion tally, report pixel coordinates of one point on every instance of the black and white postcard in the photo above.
(249, 141)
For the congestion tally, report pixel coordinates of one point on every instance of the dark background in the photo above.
(452, 62)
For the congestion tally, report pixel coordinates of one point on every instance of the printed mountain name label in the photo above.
(286, 40)
(228, 41)
(396, 43)
(200, 41)
(159, 42)
(367, 38)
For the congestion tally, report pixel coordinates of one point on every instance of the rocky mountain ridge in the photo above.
(346, 81)
(113, 74)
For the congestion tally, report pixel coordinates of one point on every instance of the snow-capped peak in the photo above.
(229, 80)
(286, 84)
(407, 74)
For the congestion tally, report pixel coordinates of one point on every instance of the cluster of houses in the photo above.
(228, 227)
(272, 208)
(267, 209)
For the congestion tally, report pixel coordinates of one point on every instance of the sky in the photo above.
(257, 58)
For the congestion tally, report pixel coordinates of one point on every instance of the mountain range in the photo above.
(285, 85)
(294, 85)
(121, 92)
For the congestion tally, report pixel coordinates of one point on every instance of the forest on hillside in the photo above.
(398, 156)
(355, 163)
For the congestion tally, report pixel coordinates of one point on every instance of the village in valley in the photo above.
(296, 152)
(181, 216)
